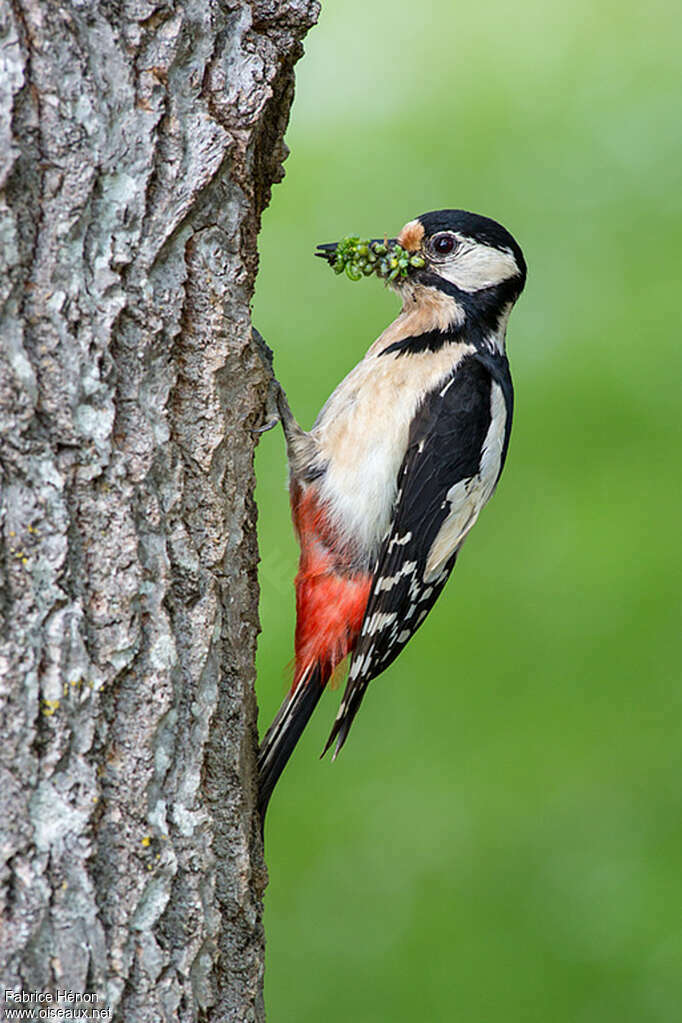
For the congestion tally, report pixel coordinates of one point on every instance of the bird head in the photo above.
(471, 259)
(465, 250)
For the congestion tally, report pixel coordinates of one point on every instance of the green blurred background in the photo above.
(501, 839)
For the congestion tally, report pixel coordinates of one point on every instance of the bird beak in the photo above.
(327, 251)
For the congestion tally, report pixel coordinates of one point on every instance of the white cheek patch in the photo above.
(478, 266)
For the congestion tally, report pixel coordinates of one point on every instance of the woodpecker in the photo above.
(401, 459)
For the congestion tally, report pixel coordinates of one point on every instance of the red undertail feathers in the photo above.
(330, 607)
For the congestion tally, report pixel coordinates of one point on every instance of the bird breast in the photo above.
(362, 434)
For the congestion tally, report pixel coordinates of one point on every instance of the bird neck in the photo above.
(429, 319)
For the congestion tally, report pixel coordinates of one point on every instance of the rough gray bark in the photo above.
(138, 144)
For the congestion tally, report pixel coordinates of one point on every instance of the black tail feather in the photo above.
(281, 737)
(350, 705)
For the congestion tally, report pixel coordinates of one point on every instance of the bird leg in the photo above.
(273, 413)
(277, 408)
(301, 448)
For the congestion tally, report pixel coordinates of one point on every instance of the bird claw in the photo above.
(276, 405)
(270, 425)
(272, 406)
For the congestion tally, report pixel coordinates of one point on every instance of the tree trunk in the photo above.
(138, 144)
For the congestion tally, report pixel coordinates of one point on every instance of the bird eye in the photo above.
(443, 244)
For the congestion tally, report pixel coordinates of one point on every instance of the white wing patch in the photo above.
(377, 622)
(387, 582)
(467, 498)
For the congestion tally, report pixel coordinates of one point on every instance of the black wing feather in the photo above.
(445, 445)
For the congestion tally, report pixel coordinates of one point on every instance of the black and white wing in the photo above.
(456, 451)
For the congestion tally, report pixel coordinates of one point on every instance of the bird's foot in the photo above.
(274, 396)
(270, 425)
(277, 408)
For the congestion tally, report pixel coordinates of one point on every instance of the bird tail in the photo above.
(350, 705)
(281, 737)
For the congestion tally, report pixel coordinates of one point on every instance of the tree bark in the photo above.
(138, 144)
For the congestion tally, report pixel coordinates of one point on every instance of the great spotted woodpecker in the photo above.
(402, 458)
